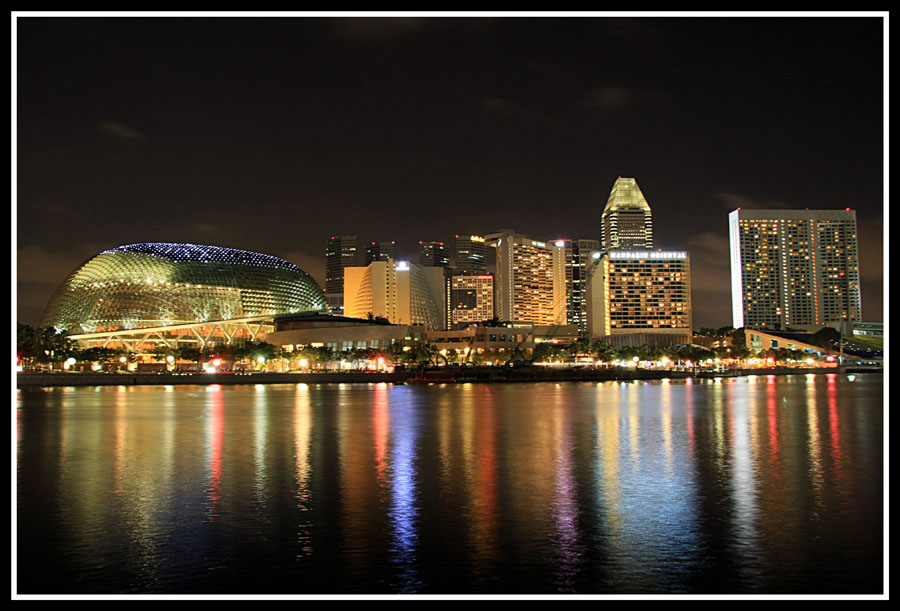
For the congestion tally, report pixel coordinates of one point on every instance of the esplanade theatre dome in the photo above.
(153, 285)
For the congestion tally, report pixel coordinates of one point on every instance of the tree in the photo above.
(739, 348)
(189, 353)
(43, 344)
(826, 338)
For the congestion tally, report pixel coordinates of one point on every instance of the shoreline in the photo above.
(500, 375)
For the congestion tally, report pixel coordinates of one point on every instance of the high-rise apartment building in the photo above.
(379, 251)
(404, 293)
(470, 299)
(793, 268)
(524, 283)
(340, 252)
(433, 254)
(641, 293)
(626, 222)
(573, 260)
(469, 254)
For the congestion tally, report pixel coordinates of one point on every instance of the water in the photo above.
(750, 485)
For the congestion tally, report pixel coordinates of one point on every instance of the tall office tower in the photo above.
(340, 252)
(524, 284)
(379, 251)
(469, 254)
(626, 222)
(793, 268)
(470, 299)
(572, 261)
(404, 293)
(433, 254)
(645, 294)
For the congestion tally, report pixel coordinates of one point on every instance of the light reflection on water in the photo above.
(758, 484)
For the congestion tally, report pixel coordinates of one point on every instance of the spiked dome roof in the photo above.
(159, 284)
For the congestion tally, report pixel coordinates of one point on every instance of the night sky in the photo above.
(272, 134)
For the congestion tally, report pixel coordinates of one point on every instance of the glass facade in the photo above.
(157, 284)
(470, 254)
(433, 254)
(340, 252)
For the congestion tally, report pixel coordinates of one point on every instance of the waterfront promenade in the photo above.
(492, 375)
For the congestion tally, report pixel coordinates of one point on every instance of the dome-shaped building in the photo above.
(159, 285)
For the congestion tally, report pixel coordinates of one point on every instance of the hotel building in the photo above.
(401, 292)
(793, 268)
(640, 297)
(525, 288)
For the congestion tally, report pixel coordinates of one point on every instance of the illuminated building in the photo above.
(626, 222)
(338, 333)
(525, 281)
(573, 260)
(401, 292)
(379, 251)
(433, 254)
(471, 299)
(793, 268)
(469, 254)
(638, 297)
(340, 252)
(163, 293)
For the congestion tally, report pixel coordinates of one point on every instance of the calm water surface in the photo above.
(762, 484)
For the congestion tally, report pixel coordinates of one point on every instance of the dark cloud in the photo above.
(119, 130)
(506, 107)
(374, 28)
(609, 97)
(41, 269)
(732, 201)
(710, 279)
(314, 265)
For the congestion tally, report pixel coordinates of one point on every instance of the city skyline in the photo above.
(205, 131)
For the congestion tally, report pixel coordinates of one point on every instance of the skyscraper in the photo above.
(379, 251)
(642, 294)
(469, 254)
(626, 222)
(572, 262)
(433, 254)
(524, 284)
(340, 252)
(793, 268)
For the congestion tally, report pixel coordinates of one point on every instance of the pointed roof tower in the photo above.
(626, 195)
(626, 221)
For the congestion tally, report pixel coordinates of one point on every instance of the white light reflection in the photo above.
(565, 504)
(744, 491)
(404, 512)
